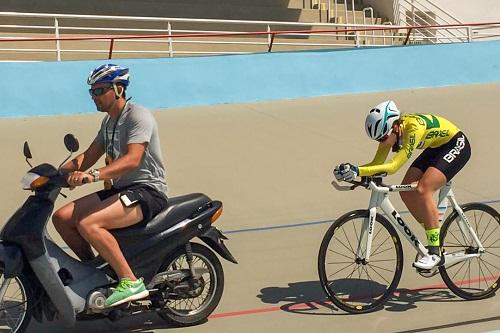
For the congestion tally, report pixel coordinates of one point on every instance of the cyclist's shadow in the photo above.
(309, 298)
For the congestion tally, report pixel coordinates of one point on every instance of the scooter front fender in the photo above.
(213, 237)
(12, 258)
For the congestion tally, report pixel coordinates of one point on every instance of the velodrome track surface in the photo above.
(270, 163)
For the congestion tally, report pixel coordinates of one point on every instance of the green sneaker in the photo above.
(127, 291)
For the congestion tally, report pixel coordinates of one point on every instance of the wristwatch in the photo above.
(96, 174)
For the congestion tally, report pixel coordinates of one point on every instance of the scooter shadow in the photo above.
(141, 323)
(308, 298)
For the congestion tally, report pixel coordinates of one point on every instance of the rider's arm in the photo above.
(380, 156)
(124, 164)
(85, 160)
(412, 136)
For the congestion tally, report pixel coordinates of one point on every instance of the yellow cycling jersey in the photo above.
(419, 131)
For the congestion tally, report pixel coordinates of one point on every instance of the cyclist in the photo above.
(446, 151)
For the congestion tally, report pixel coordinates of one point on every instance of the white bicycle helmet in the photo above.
(379, 121)
(109, 73)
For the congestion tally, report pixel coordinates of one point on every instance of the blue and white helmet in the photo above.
(379, 121)
(109, 73)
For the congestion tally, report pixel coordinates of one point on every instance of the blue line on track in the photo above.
(305, 224)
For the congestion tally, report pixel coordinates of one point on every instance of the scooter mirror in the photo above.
(71, 143)
(26, 150)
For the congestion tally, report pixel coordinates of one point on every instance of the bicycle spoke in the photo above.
(343, 255)
(340, 270)
(381, 268)
(456, 238)
(486, 239)
(383, 251)
(381, 244)
(347, 238)
(494, 242)
(347, 248)
(485, 229)
(489, 263)
(380, 274)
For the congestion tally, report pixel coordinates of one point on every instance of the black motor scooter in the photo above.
(38, 279)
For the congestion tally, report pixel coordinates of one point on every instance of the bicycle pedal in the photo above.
(427, 273)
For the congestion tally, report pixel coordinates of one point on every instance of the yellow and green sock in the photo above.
(433, 240)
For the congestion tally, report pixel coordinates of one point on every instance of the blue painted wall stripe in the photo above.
(53, 88)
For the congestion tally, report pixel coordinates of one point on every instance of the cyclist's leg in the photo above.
(423, 207)
(413, 174)
(420, 202)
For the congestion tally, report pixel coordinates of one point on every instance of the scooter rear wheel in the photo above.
(16, 305)
(193, 305)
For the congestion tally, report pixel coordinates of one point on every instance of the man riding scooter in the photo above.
(134, 179)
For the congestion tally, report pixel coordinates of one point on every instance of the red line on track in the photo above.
(306, 305)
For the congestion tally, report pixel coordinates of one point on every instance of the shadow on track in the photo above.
(142, 323)
(309, 298)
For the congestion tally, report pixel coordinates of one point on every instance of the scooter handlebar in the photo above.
(62, 180)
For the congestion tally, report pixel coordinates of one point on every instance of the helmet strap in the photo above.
(399, 139)
(115, 88)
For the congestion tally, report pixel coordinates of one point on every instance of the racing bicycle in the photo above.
(360, 260)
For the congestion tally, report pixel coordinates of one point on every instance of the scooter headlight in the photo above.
(32, 181)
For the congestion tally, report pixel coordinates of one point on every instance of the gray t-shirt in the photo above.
(136, 124)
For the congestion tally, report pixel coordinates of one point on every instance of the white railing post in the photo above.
(336, 10)
(469, 34)
(369, 9)
(170, 43)
(328, 10)
(58, 43)
(353, 13)
(346, 16)
(356, 39)
(268, 36)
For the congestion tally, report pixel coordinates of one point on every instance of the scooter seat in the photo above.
(178, 209)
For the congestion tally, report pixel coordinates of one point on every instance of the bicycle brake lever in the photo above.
(342, 187)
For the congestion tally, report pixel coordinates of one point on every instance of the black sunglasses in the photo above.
(99, 91)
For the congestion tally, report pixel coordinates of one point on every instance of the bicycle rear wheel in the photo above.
(351, 283)
(477, 277)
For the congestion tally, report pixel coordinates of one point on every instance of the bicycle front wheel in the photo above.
(477, 277)
(352, 283)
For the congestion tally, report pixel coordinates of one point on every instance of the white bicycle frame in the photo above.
(380, 198)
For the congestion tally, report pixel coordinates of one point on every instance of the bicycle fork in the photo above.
(380, 199)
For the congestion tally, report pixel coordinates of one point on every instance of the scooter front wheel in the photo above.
(16, 303)
(192, 299)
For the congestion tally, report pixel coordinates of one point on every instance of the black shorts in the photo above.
(151, 200)
(449, 158)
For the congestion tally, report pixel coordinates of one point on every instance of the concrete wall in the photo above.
(59, 88)
(472, 11)
(464, 11)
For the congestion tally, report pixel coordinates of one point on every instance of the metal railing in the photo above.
(156, 41)
(426, 12)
